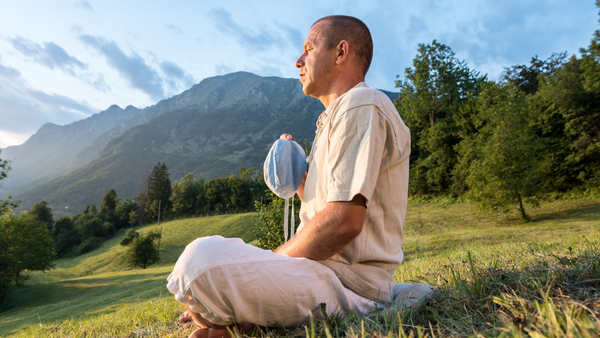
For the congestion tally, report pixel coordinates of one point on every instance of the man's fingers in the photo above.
(285, 137)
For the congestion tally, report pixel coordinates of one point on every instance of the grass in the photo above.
(100, 282)
(496, 275)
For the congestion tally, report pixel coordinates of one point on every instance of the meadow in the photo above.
(497, 276)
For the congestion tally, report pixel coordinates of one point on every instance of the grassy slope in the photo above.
(100, 282)
(113, 302)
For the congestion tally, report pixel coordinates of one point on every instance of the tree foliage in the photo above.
(25, 244)
(159, 191)
(7, 204)
(431, 95)
(141, 250)
(269, 231)
(109, 202)
(43, 213)
(185, 195)
(504, 160)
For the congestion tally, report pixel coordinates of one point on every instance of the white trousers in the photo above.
(227, 281)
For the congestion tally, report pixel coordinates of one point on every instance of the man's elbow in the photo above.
(353, 228)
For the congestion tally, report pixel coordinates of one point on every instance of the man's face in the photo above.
(316, 63)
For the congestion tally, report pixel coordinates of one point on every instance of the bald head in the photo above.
(355, 32)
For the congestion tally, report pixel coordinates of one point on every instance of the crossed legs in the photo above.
(224, 281)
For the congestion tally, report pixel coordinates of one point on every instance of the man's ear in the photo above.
(343, 51)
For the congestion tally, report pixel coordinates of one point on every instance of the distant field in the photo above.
(98, 295)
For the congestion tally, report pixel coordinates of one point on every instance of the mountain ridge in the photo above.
(212, 129)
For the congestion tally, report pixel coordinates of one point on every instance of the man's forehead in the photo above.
(316, 33)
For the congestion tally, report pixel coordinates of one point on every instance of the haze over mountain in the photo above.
(51, 152)
(211, 130)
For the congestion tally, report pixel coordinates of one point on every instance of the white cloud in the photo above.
(24, 109)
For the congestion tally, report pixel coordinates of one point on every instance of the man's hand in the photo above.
(301, 187)
(329, 231)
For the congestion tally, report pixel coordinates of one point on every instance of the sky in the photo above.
(62, 61)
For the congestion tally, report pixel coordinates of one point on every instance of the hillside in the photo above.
(97, 295)
(101, 278)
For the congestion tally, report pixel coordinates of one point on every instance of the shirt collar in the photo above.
(324, 114)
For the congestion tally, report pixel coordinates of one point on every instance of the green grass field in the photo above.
(491, 271)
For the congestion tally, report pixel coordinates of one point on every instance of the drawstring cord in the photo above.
(285, 219)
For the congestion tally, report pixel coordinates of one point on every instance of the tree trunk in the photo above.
(521, 209)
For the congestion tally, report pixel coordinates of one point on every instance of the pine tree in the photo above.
(159, 191)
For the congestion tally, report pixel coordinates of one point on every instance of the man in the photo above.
(353, 197)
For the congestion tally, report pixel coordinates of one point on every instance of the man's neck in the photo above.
(338, 90)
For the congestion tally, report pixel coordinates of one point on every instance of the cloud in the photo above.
(133, 68)
(176, 77)
(24, 109)
(505, 33)
(174, 29)
(222, 69)
(85, 5)
(253, 40)
(49, 54)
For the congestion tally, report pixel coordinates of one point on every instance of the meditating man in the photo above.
(354, 196)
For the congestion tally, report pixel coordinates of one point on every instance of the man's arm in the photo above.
(329, 231)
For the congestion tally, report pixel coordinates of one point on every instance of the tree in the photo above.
(218, 193)
(141, 249)
(527, 77)
(66, 237)
(184, 196)
(43, 213)
(7, 204)
(159, 189)
(430, 98)
(269, 231)
(504, 159)
(122, 212)
(25, 244)
(109, 202)
(133, 217)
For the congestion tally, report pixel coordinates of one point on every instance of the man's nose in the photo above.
(300, 61)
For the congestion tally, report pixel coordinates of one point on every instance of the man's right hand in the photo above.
(285, 137)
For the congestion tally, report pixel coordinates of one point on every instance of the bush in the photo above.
(141, 251)
(269, 232)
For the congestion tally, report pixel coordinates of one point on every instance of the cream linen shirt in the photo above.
(362, 147)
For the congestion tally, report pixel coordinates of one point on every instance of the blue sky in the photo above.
(61, 61)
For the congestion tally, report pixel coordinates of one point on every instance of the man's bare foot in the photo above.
(185, 317)
(187, 320)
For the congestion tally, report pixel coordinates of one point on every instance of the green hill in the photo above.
(100, 281)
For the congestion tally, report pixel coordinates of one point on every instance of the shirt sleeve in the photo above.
(356, 146)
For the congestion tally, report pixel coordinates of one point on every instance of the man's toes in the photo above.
(185, 317)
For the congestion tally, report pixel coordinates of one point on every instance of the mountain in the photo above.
(211, 130)
(51, 151)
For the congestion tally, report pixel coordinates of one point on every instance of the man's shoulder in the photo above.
(362, 96)
(365, 96)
